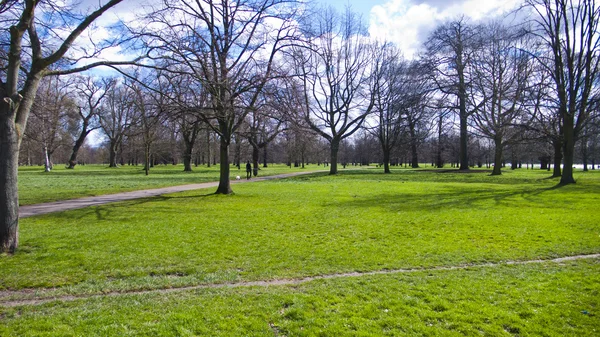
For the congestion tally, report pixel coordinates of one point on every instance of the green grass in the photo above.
(526, 300)
(37, 186)
(306, 226)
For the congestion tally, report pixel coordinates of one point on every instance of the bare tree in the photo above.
(387, 124)
(335, 72)
(569, 30)
(117, 116)
(27, 56)
(90, 94)
(263, 124)
(449, 51)
(227, 46)
(502, 72)
(47, 125)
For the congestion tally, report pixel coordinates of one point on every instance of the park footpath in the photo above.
(67, 205)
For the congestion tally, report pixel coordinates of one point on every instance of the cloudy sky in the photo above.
(405, 22)
(408, 22)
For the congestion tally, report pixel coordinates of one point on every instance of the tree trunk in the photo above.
(584, 154)
(187, 155)
(112, 161)
(464, 158)
(497, 157)
(569, 152)
(147, 158)
(208, 148)
(335, 146)
(78, 144)
(265, 164)
(558, 156)
(224, 184)
(386, 160)
(413, 149)
(47, 165)
(9, 196)
(255, 155)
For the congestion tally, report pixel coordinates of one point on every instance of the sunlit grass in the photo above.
(37, 186)
(315, 225)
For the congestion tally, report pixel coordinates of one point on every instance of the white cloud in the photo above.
(408, 22)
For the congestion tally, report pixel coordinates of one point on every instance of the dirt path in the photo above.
(277, 282)
(66, 205)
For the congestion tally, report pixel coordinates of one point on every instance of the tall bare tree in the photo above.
(387, 124)
(118, 114)
(335, 72)
(502, 74)
(569, 30)
(47, 125)
(90, 94)
(227, 46)
(449, 50)
(27, 56)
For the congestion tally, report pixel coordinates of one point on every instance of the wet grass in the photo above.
(306, 226)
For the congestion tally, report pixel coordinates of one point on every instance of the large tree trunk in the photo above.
(224, 184)
(78, 144)
(386, 160)
(187, 155)
(9, 196)
(569, 152)
(335, 146)
(112, 156)
(497, 157)
(558, 157)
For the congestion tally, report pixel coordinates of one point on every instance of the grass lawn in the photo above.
(306, 226)
(37, 186)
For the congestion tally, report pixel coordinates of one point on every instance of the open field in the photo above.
(37, 186)
(358, 221)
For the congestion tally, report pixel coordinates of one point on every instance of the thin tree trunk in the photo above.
(584, 154)
(47, 165)
(569, 152)
(208, 148)
(9, 196)
(558, 157)
(255, 154)
(464, 159)
(265, 164)
(147, 158)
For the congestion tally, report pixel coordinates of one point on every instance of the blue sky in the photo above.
(361, 6)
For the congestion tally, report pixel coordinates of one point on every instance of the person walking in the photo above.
(248, 170)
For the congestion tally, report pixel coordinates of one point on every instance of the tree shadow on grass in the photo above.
(452, 198)
(104, 212)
